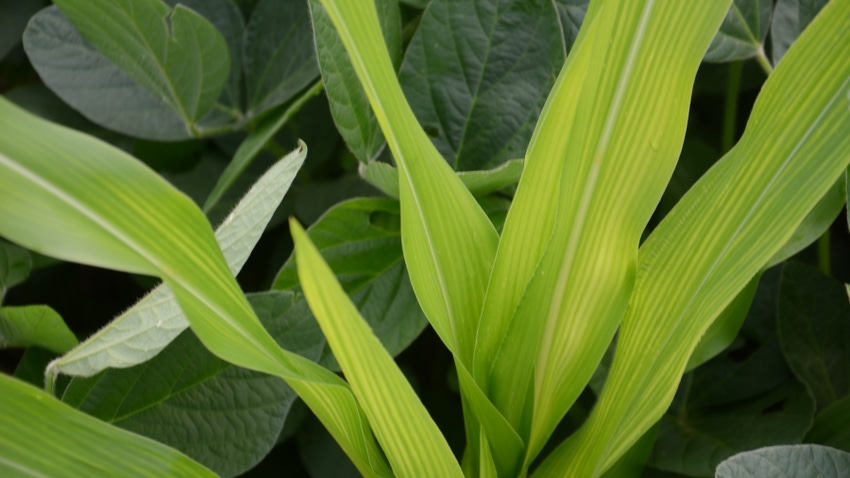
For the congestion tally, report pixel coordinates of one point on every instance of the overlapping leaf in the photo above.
(35, 325)
(143, 330)
(71, 196)
(723, 231)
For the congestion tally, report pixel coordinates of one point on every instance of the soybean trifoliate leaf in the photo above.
(790, 18)
(743, 31)
(798, 461)
(35, 325)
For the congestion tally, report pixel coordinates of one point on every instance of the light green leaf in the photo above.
(476, 74)
(254, 144)
(35, 326)
(814, 330)
(152, 323)
(791, 461)
(185, 388)
(360, 240)
(409, 436)
(43, 437)
(743, 31)
(349, 105)
(790, 18)
(816, 223)
(280, 58)
(605, 146)
(721, 234)
(448, 241)
(15, 266)
(71, 196)
(381, 175)
(177, 55)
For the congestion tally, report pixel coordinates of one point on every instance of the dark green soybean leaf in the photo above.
(572, 15)
(177, 55)
(321, 455)
(790, 461)
(477, 73)
(223, 416)
(743, 31)
(352, 114)
(753, 364)
(416, 3)
(15, 266)
(790, 18)
(279, 57)
(361, 242)
(227, 19)
(695, 441)
(32, 365)
(814, 330)
(43, 437)
(13, 21)
(93, 85)
(35, 325)
(832, 426)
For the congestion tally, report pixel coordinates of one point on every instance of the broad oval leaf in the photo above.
(743, 31)
(797, 461)
(44, 437)
(35, 326)
(223, 416)
(279, 53)
(790, 18)
(477, 74)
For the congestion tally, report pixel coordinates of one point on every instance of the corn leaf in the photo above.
(409, 436)
(605, 147)
(71, 196)
(152, 323)
(720, 235)
(44, 437)
(449, 243)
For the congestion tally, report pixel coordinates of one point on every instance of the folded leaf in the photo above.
(721, 234)
(152, 323)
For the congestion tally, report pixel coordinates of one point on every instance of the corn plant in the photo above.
(528, 313)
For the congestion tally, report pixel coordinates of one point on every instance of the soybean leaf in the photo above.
(572, 14)
(101, 91)
(35, 326)
(404, 428)
(31, 367)
(15, 266)
(480, 183)
(477, 73)
(799, 461)
(790, 18)
(743, 31)
(264, 131)
(279, 54)
(186, 389)
(361, 241)
(152, 323)
(565, 259)
(44, 437)
(227, 19)
(695, 441)
(176, 55)
(321, 455)
(348, 102)
(832, 426)
(16, 14)
(79, 199)
(737, 216)
(814, 329)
